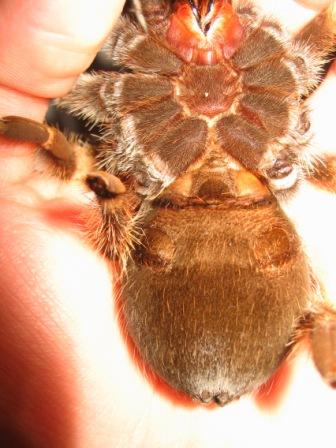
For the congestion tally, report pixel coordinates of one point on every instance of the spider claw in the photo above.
(105, 185)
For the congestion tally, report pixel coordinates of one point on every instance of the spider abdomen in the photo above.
(206, 287)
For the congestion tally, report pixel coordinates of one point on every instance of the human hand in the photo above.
(66, 377)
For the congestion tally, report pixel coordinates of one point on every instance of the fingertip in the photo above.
(46, 44)
(317, 5)
(291, 14)
(14, 102)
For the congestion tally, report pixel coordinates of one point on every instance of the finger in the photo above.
(16, 163)
(46, 44)
(292, 14)
(58, 337)
(314, 4)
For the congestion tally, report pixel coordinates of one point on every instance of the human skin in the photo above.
(67, 378)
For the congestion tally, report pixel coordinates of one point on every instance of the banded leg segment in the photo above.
(57, 148)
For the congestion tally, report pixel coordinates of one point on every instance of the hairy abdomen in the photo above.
(214, 295)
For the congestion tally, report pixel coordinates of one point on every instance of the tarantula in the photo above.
(204, 135)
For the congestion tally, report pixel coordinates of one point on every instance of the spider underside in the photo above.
(192, 165)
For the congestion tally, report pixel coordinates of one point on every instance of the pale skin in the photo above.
(66, 377)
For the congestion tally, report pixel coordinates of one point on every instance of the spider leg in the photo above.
(320, 32)
(323, 175)
(323, 325)
(314, 45)
(323, 341)
(110, 220)
(58, 152)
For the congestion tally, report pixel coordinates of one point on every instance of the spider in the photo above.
(204, 139)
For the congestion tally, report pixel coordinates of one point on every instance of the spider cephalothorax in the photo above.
(205, 123)
(246, 99)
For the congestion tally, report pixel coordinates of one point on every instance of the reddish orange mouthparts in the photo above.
(206, 38)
